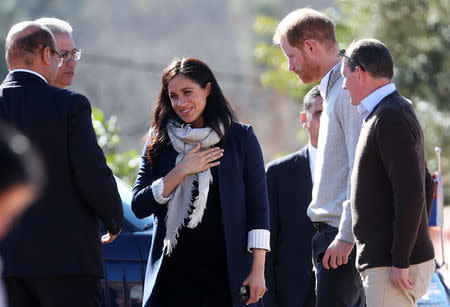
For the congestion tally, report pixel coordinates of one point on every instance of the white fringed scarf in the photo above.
(184, 138)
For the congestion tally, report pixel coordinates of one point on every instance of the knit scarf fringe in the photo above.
(184, 138)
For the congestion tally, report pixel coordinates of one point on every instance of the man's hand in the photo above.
(108, 238)
(337, 254)
(400, 278)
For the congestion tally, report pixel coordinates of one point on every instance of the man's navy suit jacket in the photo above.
(59, 233)
(289, 272)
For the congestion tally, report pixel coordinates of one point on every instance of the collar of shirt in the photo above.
(29, 71)
(312, 153)
(370, 102)
(324, 82)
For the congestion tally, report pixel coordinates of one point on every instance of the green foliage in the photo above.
(275, 66)
(417, 32)
(436, 127)
(125, 164)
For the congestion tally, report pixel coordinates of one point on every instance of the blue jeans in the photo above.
(340, 287)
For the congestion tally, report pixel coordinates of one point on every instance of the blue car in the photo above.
(126, 257)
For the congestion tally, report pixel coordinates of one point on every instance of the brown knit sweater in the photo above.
(390, 220)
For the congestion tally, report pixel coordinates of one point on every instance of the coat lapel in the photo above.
(301, 163)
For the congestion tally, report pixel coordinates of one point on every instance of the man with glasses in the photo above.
(52, 255)
(62, 31)
(289, 275)
(307, 38)
(389, 182)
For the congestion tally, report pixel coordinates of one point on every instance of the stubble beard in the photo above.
(310, 72)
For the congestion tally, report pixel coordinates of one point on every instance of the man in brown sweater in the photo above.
(394, 252)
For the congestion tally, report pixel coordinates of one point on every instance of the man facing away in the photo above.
(307, 38)
(62, 31)
(52, 253)
(388, 197)
(290, 279)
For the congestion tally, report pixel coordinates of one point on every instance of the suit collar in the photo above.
(302, 153)
(301, 163)
(24, 75)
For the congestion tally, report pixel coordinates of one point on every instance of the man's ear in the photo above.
(362, 75)
(309, 46)
(46, 55)
(303, 119)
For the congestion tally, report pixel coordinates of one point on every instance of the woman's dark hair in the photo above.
(217, 110)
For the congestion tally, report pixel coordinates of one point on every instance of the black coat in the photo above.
(59, 233)
(289, 274)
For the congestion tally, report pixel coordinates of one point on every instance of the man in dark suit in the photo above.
(52, 256)
(290, 279)
(389, 182)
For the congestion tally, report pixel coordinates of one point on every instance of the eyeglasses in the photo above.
(75, 53)
(53, 51)
(342, 54)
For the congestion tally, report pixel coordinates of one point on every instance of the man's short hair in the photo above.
(373, 55)
(309, 98)
(303, 24)
(24, 48)
(56, 25)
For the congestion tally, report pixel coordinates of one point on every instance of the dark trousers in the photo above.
(53, 291)
(340, 287)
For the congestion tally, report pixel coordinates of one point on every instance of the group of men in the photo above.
(52, 254)
(363, 180)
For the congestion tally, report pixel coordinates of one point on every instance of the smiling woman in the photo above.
(202, 177)
(188, 99)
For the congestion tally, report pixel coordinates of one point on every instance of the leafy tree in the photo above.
(275, 73)
(123, 164)
(417, 33)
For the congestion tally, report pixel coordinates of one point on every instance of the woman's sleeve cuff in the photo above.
(258, 238)
(158, 190)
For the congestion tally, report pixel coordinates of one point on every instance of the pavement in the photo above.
(435, 233)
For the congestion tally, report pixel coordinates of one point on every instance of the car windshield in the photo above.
(126, 194)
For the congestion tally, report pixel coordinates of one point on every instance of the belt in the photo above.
(319, 225)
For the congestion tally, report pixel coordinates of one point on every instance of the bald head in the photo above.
(24, 44)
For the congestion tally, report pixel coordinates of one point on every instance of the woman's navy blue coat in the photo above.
(243, 201)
